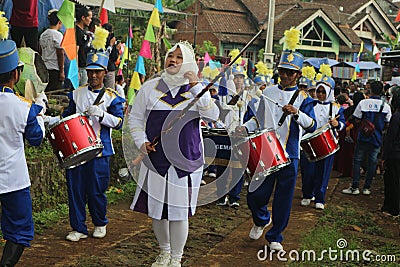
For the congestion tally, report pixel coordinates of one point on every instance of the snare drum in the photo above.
(319, 144)
(74, 141)
(262, 153)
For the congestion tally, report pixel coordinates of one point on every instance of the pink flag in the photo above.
(145, 50)
(207, 58)
(130, 32)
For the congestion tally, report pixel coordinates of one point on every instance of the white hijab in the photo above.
(189, 64)
(329, 92)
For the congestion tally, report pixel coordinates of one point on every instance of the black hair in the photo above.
(81, 12)
(108, 27)
(376, 87)
(119, 78)
(6, 77)
(395, 102)
(341, 99)
(95, 22)
(345, 91)
(53, 18)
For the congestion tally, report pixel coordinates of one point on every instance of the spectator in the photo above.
(113, 48)
(52, 52)
(391, 158)
(377, 111)
(24, 23)
(83, 19)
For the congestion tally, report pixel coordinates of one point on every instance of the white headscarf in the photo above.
(189, 64)
(329, 92)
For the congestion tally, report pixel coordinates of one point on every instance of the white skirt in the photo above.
(167, 197)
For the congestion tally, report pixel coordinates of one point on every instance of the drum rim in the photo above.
(73, 116)
(244, 139)
(98, 146)
(322, 157)
(275, 168)
(317, 132)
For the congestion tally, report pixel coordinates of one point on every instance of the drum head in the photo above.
(81, 157)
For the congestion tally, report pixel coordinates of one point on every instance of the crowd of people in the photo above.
(166, 117)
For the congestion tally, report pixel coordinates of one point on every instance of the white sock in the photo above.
(178, 232)
(161, 230)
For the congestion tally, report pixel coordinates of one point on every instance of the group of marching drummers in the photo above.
(271, 127)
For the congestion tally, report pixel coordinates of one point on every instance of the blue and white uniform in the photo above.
(89, 181)
(284, 180)
(19, 121)
(315, 175)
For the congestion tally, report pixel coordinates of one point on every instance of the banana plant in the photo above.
(393, 42)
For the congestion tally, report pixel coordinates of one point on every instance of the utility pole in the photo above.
(269, 41)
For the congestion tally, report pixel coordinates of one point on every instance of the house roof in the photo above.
(228, 22)
(226, 5)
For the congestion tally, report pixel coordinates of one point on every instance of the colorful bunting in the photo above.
(207, 58)
(145, 50)
(158, 5)
(103, 16)
(140, 66)
(167, 43)
(73, 73)
(149, 36)
(155, 18)
(109, 5)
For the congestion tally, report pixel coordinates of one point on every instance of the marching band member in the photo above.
(87, 183)
(19, 120)
(169, 182)
(315, 175)
(287, 121)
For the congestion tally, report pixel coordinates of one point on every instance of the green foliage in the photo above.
(393, 42)
(117, 193)
(47, 218)
(260, 55)
(208, 47)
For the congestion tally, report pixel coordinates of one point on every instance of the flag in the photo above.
(158, 5)
(375, 50)
(167, 43)
(145, 50)
(155, 18)
(207, 58)
(397, 17)
(73, 73)
(149, 36)
(140, 66)
(135, 81)
(67, 14)
(103, 16)
(109, 5)
(124, 57)
(361, 49)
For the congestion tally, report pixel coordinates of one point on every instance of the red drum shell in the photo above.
(319, 144)
(262, 153)
(73, 140)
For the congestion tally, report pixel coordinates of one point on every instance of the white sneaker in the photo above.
(351, 191)
(162, 260)
(234, 204)
(275, 246)
(212, 175)
(257, 231)
(305, 202)
(366, 191)
(99, 231)
(224, 202)
(74, 236)
(174, 263)
(319, 206)
(203, 182)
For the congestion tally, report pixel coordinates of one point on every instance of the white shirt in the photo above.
(49, 41)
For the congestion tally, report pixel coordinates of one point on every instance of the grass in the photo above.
(358, 229)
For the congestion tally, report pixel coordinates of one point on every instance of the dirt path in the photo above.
(218, 236)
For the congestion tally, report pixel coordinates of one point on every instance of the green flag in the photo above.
(67, 14)
(149, 36)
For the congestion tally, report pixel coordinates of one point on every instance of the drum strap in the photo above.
(291, 101)
(99, 96)
(330, 110)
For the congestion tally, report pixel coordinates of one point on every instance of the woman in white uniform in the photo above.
(170, 174)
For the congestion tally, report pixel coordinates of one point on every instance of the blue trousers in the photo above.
(315, 177)
(16, 216)
(282, 183)
(88, 183)
(362, 150)
(229, 184)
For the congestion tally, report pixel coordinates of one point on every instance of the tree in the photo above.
(392, 41)
(208, 47)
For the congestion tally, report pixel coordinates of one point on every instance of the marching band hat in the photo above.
(259, 80)
(9, 59)
(313, 85)
(238, 70)
(304, 81)
(291, 60)
(328, 81)
(97, 60)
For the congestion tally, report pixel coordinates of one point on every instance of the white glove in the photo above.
(94, 110)
(41, 100)
(51, 120)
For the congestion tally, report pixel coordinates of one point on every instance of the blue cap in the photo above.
(291, 60)
(238, 70)
(9, 59)
(259, 79)
(304, 81)
(97, 60)
(328, 81)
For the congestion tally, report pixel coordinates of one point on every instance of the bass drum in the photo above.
(34, 70)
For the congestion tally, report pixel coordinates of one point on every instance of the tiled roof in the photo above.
(236, 38)
(225, 5)
(286, 21)
(354, 39)
(348, 6)
(227, 22)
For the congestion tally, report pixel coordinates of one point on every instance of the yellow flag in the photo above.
(135, 81)
(354, 76)
(361, 49)
(155, 18)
